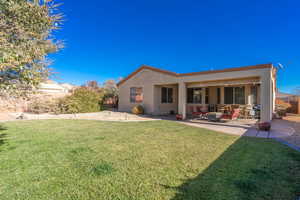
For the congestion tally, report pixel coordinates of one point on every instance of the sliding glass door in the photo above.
(234, 95)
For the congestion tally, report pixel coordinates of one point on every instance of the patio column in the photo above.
(248, 95)
(266, 98)
(182, 99)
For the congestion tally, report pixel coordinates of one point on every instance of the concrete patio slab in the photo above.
(280, 128)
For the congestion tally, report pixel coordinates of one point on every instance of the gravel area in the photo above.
(104, 116)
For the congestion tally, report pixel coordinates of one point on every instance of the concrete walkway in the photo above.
(280, 128)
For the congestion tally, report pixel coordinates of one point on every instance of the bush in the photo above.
(138, 110)
(83, 100)
(40, 106)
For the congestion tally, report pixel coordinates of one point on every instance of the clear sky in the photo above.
(110, 39)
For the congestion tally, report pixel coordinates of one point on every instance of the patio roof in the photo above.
(228, 82)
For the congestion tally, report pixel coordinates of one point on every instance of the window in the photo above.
(206, 95)
(218, 95)
(254, 94)
(194, 95)
(239, 96)
(166, 95)
(234, 95)
(136, 95)
(228, 95)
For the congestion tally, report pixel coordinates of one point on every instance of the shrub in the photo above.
(40, 106)
(83, 100)
(139, 109)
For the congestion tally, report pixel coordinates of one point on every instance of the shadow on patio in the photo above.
(246, 171)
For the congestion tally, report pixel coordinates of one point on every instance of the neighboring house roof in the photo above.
(284, 95)
(261, 66)
(68, 86)
(52, 86)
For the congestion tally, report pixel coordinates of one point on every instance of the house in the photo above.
(162, 92)
(51, 87)
(286, 97)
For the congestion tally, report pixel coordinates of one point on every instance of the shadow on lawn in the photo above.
(242, 173)
(2, 135)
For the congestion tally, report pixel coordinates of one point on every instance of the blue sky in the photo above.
(110, 39)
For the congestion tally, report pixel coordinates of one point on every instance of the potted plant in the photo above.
(264, 126)
(179, 117)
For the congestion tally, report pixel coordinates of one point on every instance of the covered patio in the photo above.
(236, 98)
(230, 99)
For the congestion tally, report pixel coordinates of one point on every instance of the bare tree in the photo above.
(297, 91)
(92, 85)
(111, 91)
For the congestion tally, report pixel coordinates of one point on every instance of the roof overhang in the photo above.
(252, 67)
(227, 82)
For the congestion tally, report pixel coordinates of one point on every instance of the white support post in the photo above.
(266, 98)
(182, 99)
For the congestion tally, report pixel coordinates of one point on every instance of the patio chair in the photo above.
(191, 109)
(201, 112)
(233, 115)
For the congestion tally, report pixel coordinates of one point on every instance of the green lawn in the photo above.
(92, 160)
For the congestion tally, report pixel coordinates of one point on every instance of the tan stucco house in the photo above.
(164, 92)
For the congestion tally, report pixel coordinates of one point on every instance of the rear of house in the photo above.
(165, 92)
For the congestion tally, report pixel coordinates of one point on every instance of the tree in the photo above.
(111, 89)
(297, 91)
(111, 92)
(26, 38)
(93, 85)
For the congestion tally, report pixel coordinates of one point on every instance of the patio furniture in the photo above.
(201, 112)
(245, 111)
(257, 109)
(232, 115)
(191, 109)
(214, 116)
(212, 108)
(220, 108)
(264, 126)
(252, 114)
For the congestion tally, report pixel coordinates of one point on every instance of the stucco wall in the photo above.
(148, 79)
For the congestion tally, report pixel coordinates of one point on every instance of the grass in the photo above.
(88, 160)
